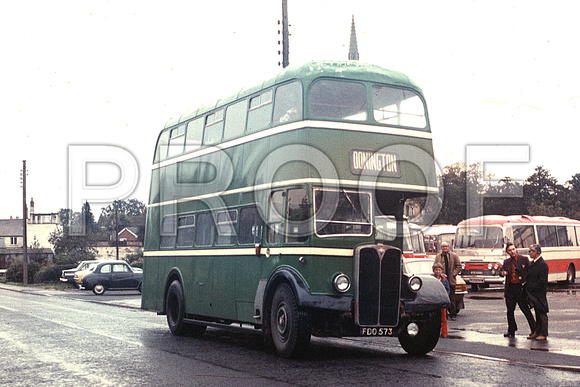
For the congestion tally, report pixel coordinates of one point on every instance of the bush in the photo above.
(15, 271)
(50, 273)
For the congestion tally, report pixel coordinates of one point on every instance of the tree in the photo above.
(121, 214)
(543, 195)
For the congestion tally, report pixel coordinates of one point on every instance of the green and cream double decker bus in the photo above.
(280, 209)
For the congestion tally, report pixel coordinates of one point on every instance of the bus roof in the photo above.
(500, 220)
(439, 229)
(307, 72)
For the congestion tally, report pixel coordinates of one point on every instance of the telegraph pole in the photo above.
(285, 34)
(24, 219)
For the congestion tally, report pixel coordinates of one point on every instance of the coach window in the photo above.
(398, 107)
(260, 113)
(205, 230)
(185, 226)
(547, 236)
(194, 135)
(288, 103)
(235, 120)
(563, 238)
(338, 100)
(523, 236)
(214, 127)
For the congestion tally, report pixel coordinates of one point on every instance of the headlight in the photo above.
(415, 283)
(496, 266)
(489, 266)
(463, 266)
(341, 282)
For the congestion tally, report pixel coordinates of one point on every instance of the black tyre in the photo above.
(427, 337)
(175, 310)
(290, 327)
(570, 275)
(99, 289)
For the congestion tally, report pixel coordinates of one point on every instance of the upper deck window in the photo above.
(194, 134)
(214, 126)
(260, 113)
(176, 141)
(235, 120)
(398, 107)
(288, 103)
(338, 100)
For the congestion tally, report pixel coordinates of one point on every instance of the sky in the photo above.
(76, 75)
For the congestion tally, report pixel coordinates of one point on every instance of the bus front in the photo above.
(481, 250)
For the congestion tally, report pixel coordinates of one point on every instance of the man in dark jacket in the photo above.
(515, 269)
(451, 267)
(536, 288)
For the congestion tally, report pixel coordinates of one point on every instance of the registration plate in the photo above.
(376, 331)
(476, 280)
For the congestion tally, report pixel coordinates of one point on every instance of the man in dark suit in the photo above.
(536, 288)
(515, 269)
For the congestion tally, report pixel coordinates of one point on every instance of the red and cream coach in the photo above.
(480, 243)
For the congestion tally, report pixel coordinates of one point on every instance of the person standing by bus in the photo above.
(515, 269)
(537, 289)
(452, 266)
(438, 273)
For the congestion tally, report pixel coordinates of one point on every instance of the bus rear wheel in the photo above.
(289, 326)
(175, 311)
(427, 337)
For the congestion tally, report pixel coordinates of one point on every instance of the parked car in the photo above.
(78, 277)
(112, 275)
(68, 275)
(424, 266)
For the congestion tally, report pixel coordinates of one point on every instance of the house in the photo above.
(38, 230)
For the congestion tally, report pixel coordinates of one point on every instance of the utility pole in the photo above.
(116, 232)
(285, 34)
(24, 219)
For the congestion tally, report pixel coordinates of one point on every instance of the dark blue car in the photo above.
(112, 275)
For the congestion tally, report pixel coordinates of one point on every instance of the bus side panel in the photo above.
(152, 294)
(248, 275)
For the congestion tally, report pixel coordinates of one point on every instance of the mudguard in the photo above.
(431, 296)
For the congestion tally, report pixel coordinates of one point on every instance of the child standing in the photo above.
(438, 273)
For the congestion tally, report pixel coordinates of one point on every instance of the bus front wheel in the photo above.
(427, 337)
(289, 326)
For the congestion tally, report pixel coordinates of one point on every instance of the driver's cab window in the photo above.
(106, 269)
(288, 216)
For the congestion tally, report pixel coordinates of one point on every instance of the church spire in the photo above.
(353, 49)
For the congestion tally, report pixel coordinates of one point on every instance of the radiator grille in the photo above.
(378, 285)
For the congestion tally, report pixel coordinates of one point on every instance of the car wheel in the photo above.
(427, 337)
(290, 327)
(99, 289)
